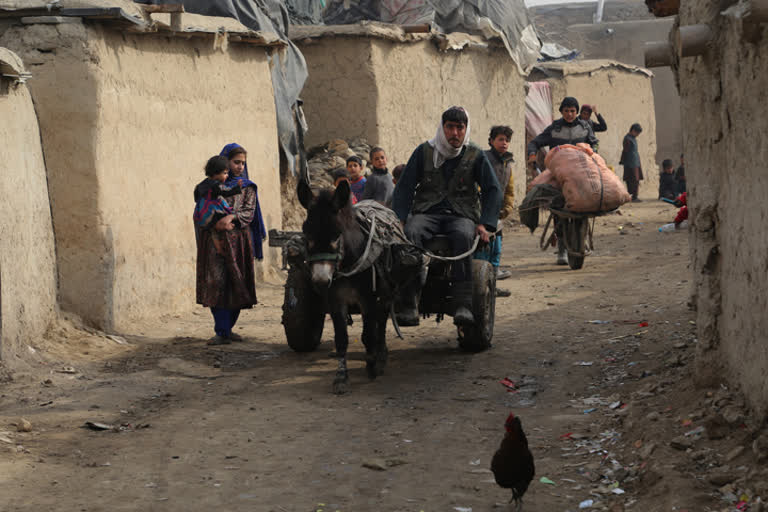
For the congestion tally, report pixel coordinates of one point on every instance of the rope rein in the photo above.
(358, 267)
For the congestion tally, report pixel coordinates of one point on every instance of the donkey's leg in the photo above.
(382, 313)
(370, 332)
(341, 340)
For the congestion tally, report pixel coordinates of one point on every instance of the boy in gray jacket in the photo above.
(379, 185)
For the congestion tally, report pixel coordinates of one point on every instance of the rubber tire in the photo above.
(303, 315)
(478, 337)
(576, 234)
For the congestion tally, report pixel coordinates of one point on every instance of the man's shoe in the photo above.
(408, 317)
(502, 274)
(235, 337)
(463, 316)
(502, 292)
(562, 258)
(218, 340)
(637, 200)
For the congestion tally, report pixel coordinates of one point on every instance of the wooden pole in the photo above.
(414, 29)
(176, 25)
(693, 40)
(175, 10)
(658, 54)
(165, 8)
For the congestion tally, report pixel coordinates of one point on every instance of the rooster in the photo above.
(512, 464)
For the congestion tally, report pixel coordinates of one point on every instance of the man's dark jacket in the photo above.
(462, 191)
(560, 132)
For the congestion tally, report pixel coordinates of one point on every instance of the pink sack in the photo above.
(587, 182)
(545, 178)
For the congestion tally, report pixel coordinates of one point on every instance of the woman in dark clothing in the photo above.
(225, 278)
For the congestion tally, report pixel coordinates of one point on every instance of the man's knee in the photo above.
(416, 229)
(463, 234)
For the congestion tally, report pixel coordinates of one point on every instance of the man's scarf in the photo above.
(443, 150)
(258, 230)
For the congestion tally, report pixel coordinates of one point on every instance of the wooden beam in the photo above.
(176, 24)
(693, 40)
(658, 54)
(416, 29)
(163, 8)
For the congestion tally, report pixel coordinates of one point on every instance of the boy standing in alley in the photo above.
(378, 185)
(501, 160)
(630, 159)
(356, 178)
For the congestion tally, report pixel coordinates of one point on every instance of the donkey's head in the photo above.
(327, 213)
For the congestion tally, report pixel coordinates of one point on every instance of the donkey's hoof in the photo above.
(340, 386)
(372, 369)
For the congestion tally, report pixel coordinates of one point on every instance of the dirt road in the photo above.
(254, 427)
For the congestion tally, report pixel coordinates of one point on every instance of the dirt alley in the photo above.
(254, 426)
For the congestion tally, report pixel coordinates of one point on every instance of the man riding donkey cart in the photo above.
(569, 129)
(448, 188)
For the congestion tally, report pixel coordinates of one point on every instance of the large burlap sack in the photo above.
(545, 178)
(587, 182)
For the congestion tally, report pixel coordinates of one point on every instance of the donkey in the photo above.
(336, 241)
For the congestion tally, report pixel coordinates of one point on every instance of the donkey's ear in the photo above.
(341, 195)
(305, 194)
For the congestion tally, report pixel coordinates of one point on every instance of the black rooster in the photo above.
(512, 464)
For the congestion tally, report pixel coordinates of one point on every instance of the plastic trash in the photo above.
(666, 228)
(586, 503)
(546, 480)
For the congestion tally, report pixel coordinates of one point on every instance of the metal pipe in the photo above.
(599, 12)
(693, 40)
(658, 54)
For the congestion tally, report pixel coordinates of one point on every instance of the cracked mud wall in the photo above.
(727, 187)
(27, 258)
(128, 122)
(393, 94)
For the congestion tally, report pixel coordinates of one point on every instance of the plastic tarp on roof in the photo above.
(398, 12)
(538, 108)
(289, 69)
(305, 12)
(506, 19)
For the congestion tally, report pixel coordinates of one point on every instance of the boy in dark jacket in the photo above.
(667, 181)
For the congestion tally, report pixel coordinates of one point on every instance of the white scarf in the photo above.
(443, 150)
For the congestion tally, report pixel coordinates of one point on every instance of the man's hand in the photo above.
(594, 110)
(483, 233)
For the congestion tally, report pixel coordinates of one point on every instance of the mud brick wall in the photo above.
(27, 260)
(725, 148)
(393, 94)
(128, 122)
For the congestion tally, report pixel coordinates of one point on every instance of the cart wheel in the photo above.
(576, 235)
(477, 337)
(303, 313)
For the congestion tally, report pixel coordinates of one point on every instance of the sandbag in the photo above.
(545, 178)
(587, 183)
